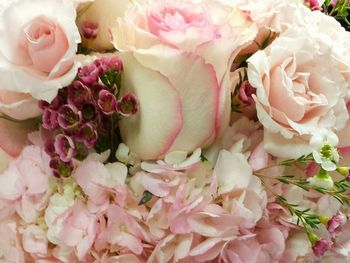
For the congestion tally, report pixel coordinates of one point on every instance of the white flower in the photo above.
(321, 180)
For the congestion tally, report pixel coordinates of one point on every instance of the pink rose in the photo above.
(177, 57)
(300, 91)
(38, 41)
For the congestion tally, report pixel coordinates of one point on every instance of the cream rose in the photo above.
(300, 91)
(177, 57)
(38, 41)
(104, 14)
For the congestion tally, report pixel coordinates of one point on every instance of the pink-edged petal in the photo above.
(13, 136)
(152, 131)
(187, 72)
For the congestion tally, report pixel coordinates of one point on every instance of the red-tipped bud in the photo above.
(245, 92)
(89, 29)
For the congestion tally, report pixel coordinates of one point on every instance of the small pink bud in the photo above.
(89, 29)
(69, 116)
(108, 63)
(89, 74)
(321, 246)
(113, 63)
(64, 147)
(50, 119)
(107, 102)
(245, 92)
(128, 105)
(78, 93)
(335, 224)
(313, 4)
(43, 104)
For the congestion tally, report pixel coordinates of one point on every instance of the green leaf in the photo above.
(147, 196)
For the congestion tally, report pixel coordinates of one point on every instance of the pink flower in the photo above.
(79, 229)
(100, 182)
(334, 225)
(35, 241)
(123, 230)
(306, 82)
(321, 246)
(10, 246)
(172, 53)
(37, 51)
(26, 182)
(173, 248)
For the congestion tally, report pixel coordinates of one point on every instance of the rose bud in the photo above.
(107, 102)
(50, 119)
(89, 29)
(69, 116)
(78, 93)
(64, 147)
(245, 92)
(128, 105)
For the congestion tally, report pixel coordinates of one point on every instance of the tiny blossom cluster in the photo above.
(83, 111)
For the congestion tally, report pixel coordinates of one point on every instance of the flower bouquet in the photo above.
(174, 131)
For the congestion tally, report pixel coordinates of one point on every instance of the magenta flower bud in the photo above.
(78, 93)
(64, 147)
(60, 168)
(88, 135)
(43, 104)
(128, 105)
(321, 246)
(112, 63)
(313, 4)
(69, 116)
(89, 29)
(89, 74)
(49, 147)
(335, 224)
(49, 119)
(245, 92)
(107, 102)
